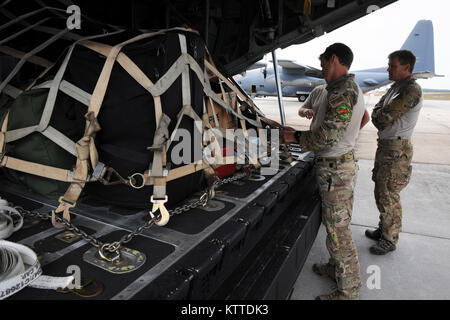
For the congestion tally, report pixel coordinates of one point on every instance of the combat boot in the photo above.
(374, 234)
(339, 295)
(325, 270)
(382, 247)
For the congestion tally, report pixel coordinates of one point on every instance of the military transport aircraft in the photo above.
(249, 242)
(298, 80)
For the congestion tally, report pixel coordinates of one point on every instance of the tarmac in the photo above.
(419, 268)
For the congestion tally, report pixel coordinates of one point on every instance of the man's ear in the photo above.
(335, 58)
(408, 68)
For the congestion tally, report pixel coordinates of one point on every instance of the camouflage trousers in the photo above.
(391, 174)
(336, 182)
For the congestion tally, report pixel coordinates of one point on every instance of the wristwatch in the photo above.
(297, 135)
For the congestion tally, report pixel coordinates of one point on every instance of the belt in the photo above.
(349, 156)
(393, 138)
(394, 142)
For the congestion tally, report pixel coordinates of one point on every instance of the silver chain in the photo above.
(69, 226)
(116, 245)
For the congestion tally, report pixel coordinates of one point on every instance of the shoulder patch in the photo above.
(411, 94)
(416, 89)
(343, 112)
(336, 99)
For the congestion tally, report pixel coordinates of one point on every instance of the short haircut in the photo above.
(404, 57)
(343, 52)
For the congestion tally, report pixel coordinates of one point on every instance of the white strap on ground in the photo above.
(20, 267)
(8, 225)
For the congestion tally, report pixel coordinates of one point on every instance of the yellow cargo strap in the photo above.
(3, 129)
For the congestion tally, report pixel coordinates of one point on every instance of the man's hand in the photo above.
(306, 113)
(288, 134)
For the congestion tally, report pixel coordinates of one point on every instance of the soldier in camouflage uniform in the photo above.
(395, 117)
(333, 138)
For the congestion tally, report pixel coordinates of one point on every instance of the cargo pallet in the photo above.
(249, 242)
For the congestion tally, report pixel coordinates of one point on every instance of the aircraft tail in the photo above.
(421, 42)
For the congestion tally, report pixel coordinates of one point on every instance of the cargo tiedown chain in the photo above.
(114, 247)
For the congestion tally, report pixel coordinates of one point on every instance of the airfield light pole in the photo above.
(279, 92)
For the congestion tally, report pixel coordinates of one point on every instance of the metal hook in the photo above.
(159, 204)
(64, 208)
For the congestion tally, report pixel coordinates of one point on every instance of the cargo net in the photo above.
(225, 107)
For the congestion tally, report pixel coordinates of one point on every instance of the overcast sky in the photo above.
(376, 35)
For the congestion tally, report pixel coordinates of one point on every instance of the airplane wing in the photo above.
(314, 73)
(308, 70)
(257, 65)
(290, 64)
(426, 75)
(371, 82)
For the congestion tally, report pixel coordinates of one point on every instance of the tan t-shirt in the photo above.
(318, 102)
(397, 113)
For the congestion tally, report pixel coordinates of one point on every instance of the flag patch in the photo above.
(344, 112)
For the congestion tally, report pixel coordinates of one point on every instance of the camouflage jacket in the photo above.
(342, 96)
(400, 98)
